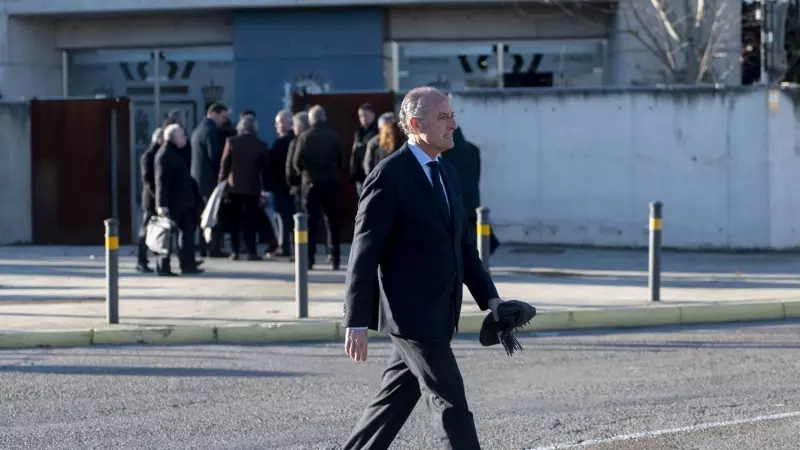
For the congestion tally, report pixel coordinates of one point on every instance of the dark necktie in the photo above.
(441, 200)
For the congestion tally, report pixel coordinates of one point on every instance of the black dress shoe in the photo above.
(143, 268)
(167, 273)
(194, 271)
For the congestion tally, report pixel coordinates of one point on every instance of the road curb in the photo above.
(325, 330)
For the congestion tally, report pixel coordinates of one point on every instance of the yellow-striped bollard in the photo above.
(301, 264)
(484, 231)
(654, 269)
(112, 270)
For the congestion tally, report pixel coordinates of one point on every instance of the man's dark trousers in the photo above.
(141, 253)
(186, 225)
(244, 208)
(418, 369)
(284, 208)
(323, 199)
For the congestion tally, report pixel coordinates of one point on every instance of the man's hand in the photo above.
(355, 344)
(493, 304)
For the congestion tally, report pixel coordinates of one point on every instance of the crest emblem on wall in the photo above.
(310, 83)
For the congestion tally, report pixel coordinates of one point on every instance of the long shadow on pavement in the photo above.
(147, 371)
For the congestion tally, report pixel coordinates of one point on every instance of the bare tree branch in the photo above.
(687, 38)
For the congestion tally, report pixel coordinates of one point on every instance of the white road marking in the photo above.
(650, 434)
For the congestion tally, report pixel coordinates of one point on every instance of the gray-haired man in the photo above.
(245, 167)
(411, 255)
(318, 158)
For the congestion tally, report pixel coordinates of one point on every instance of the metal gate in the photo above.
(342, 112)
(79, 176)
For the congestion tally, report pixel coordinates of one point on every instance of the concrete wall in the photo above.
(579, 167)
(132, 31)
(335, 49)
(41, 7)
(30, 64)
(490, 22)
(15, 174)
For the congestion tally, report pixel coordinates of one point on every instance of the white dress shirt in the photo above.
(423, 159)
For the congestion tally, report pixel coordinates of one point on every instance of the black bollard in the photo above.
(112, 270)
(654, 270)
(484, 232)
(301, 264)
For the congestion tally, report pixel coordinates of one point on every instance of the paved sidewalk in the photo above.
(63, 287)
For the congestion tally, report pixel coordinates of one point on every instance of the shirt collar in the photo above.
(421, 156)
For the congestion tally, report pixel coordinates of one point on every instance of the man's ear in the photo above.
(414, 123)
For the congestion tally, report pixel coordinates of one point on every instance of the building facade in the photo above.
(251, 54)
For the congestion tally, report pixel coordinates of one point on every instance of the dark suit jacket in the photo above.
(175, 188)
(206, 156)
(465, 157)
(360, 140)
(292, 175)
(318, 155)
(277, 163)
(421, 262)
(148, 170)
(245, 165)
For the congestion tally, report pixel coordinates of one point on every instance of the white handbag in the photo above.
(160, 237)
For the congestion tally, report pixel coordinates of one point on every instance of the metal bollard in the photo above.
(654, 270)
(301, 264)
(484, 231)
(112, 270)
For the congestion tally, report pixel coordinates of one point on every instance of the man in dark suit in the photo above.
(410, 256)
(175, 198)
(318, 158)
(206, 159)
(148, 170)
(465, 157)
(245, 167)
(284, 204)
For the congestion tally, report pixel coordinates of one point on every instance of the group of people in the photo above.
(300, 171)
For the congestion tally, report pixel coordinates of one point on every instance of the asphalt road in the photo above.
(723, 387)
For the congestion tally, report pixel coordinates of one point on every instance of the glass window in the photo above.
(554, 63)
(448, 65)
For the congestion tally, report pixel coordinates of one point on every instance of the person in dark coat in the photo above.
(410, 258)
(466, 158)
(264, 229)
(293, 179)
(389, 139)
(245, 168)
(207, 149)
(148, 171)
(175, 199)
(179, 117)
(365, 132)
(318, 158)
(282, 198)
